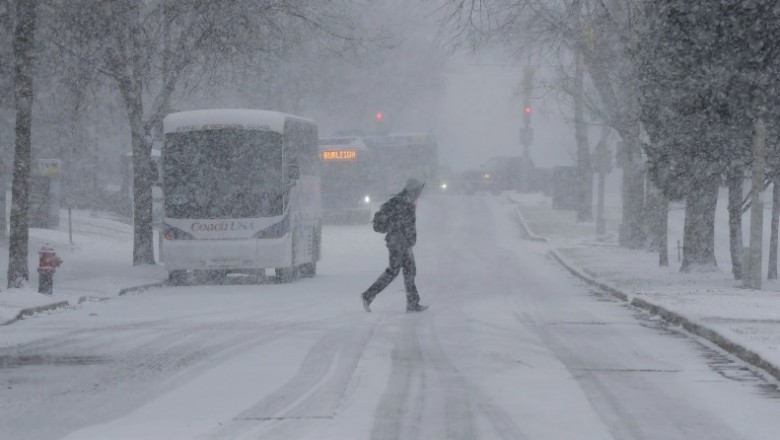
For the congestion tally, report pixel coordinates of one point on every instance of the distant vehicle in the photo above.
(504, 173)
(241, 194)
(466, 182)
(347, 179)
(403, 156)
(444, 179)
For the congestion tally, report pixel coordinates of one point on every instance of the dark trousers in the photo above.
(401, 258)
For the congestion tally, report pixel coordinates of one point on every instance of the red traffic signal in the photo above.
(379, 116)
(527, 115)
(527, 110)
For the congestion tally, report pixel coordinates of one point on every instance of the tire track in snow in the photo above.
(316, 392)
(464, 401)
(400, 408)
(162, 354)
(463, 251)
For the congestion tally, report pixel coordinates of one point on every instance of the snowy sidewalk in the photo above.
(97, 266)
(744, 322)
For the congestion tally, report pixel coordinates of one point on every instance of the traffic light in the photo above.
(380, 125)
(527, 115)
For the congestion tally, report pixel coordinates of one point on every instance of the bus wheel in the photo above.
(308, 270)
(217, 276)
(177, 277)
(285, 274)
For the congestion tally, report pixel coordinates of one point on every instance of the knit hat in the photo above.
(413, 185)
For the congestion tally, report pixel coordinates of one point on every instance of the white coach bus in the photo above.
(241, 193)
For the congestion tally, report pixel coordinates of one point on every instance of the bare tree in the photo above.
(735, 178)
(147, 49)
(6, 103)
(24, 45)
(584, 168)
(603, 31)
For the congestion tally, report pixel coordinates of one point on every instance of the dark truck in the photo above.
(501, 173)
(504, 173)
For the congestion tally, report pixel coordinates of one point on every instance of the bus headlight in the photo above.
(443, 186)
(366, 199)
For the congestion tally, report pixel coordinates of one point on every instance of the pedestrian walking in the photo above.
(397, 219)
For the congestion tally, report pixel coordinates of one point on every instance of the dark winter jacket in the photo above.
(402, 231)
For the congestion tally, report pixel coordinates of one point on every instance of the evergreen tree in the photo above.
(702, 74)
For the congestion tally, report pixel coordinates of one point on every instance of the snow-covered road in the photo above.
(511, 348)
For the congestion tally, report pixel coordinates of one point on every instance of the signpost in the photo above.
(753, 272)
(45, 190)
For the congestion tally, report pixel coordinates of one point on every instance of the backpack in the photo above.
(381, 219)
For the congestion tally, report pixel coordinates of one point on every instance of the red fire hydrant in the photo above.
(47, 265)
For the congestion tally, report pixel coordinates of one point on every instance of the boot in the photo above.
(366, 302)
(410, 308)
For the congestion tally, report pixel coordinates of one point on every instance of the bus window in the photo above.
(223, 173)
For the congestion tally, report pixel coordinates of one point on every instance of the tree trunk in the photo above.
(632, 230)
(584, 167)
(772, 272)
(699, 230)
(143, 233)
(736, 176)
(24, 44)
(131, 89)
(653, 204)
(657, 207)
(663, 231)
(623, 113)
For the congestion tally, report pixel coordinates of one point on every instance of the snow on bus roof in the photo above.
(394, 139)
(200, 119)
(155, 153)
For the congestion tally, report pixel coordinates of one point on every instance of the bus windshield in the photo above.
(223, 173)
(400, 160)
(344, 183)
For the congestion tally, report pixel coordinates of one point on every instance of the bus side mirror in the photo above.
(293, 171)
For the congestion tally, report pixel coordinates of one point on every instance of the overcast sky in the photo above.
(481, 115)
(480, 112)
(469, 100)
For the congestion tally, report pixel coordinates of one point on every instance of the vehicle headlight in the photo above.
(486, 175)
(366, 199)
(443, 185)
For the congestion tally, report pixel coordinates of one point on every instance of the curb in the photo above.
(526, 229)
(579, 273)
(716, 338)
(694, 328)
(38, 309)
(33, 310)
(699, 330)
(142, 287)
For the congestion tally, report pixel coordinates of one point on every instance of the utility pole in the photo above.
(526, 132)
(753, 277)
(584, 188)
(3, 198)
(602, 162)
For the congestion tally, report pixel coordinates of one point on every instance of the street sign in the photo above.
(48, 167)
